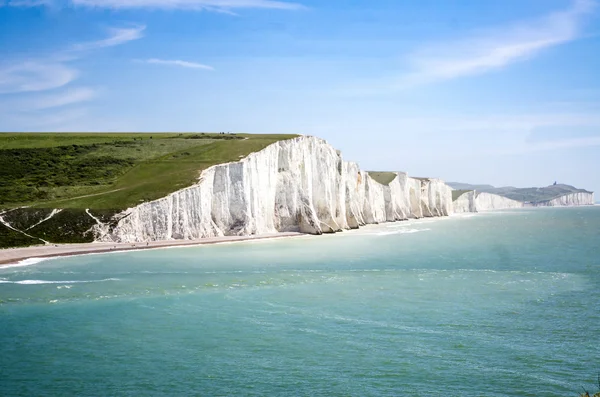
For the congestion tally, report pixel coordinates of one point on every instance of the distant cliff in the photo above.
(568, 200)
(474, 201)
(553, 195)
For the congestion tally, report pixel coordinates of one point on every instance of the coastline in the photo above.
(12, 256)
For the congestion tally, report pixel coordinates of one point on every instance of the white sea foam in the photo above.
(25, 262)
(401, 231)
(38, 282)
(466, 215)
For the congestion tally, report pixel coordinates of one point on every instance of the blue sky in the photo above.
(501, 92)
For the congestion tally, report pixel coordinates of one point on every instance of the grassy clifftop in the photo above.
(383, 177)
(105, 173)
(111, 171)
(457, 193)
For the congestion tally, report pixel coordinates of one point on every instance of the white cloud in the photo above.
(117, 36)
(35, 76)
(55, 72)
(495, 49)
(26, 3)
(22, 82)
(176, 62)
(31, 106)
(189, 4)
(198, 5)
(64, 98)
(37, 121)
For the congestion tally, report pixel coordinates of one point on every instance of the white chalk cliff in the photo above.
(302, 185)
(476, 202)
(568, 200)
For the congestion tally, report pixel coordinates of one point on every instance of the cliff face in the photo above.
(488, 202)
(465, 203)
(568, 200)
(301, 185)
(477, 202)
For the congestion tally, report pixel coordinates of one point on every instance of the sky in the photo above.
(499, 92)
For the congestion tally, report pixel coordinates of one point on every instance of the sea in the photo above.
(492, 304)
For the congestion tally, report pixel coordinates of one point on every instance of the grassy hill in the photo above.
(382, 177)
(533, 194)
(456, 193)
(103, 172)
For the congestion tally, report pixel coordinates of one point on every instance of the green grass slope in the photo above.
(457, 193)
(10, 238)
(382, 177)
(104, 172)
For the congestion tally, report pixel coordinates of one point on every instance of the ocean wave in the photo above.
(401, 231)
(25, 262)
(39, 282)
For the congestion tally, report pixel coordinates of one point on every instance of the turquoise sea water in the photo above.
(496, 304)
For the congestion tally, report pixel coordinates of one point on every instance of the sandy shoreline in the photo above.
(15, 255)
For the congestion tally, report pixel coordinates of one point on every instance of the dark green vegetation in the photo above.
(457, 193)
(25, 218)
(10, 238)
(106, 173)
(68, 226)
(382, 177)
(37, 174)
(533, 194)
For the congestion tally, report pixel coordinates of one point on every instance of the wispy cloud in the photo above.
(25, 3)
(54, 71)
(63, 98)
(36, 121)
(35, 76)
(117, 36)
(495, 49)
(197, 5)
(189, 4)
(30, 89)
(29, 107)
(176, 62)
